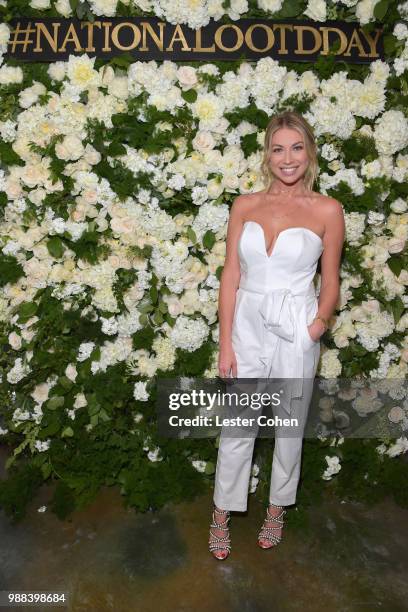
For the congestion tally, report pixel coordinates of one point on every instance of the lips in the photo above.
(291, 170)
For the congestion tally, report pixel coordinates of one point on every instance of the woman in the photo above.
(270, 318)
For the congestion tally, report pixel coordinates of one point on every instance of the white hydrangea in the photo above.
(210, 217)
(333, 468)
(112, 353)
(330, 365)
(391, 132)
(189, 334)
(139, 391)
(18, 371)
(331, 117)
(84, 350)
(165, 353)
(355, 227)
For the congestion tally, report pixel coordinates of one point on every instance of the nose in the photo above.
(288, 157)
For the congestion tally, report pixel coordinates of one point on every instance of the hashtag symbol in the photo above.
(15, 37)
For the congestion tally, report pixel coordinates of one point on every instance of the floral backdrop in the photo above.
(116, 180)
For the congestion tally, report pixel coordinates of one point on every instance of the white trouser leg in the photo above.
(233, 473)
(286, 462)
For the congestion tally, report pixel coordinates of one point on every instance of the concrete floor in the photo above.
(353, 558)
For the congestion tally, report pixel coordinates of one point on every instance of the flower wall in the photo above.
(116, 180)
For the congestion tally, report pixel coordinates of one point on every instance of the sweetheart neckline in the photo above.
(281, 232)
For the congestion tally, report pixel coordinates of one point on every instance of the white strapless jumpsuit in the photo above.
(275, 302)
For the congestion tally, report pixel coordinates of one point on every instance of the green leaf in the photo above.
(189, 96)
(144, 319)
(158, 317)
(55, 402)
(380, 9)
(209, 239)
(397, 308)
(209, 468)
(218, 272)
(27, 310)
(46, 470)
(55, 247)
(153, 294)
(389, 42)
(65, 382)
(10, 270)
(144, 308)
(67, 433)
(192, 235)
(163, 307)
(116, 148)
(291, 8)
(395, 264)
(122, 60)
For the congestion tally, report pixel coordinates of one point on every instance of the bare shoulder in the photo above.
(242, 204)
(330, 208)
(327, 202)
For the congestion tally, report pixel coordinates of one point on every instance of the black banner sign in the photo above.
(148, 38)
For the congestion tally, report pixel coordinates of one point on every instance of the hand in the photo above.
(316, 329)
(227, 362)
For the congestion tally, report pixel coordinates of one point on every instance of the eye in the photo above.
(276, 150)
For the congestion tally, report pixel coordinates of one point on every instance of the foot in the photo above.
(271, 532)
(219, 542)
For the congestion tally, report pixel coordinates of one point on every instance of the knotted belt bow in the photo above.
(280, 320)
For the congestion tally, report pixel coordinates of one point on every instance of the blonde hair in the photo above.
(292, 120)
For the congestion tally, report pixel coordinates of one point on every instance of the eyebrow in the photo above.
(278, 145)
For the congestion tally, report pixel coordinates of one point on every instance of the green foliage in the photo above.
(103, 445)
(88, 247)
(192, 363)
(10, 269)
(19, 489)
(8, 157)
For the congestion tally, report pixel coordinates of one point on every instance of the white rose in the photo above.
(80, 401)
(63, 7)
(40, 4)
(119, 87)
(399, 206)
(40, 393)
(14, 341)
(108, 75)
(71, 372)
(187, 76)
(69, 149)
(396, 245)
(203, 141)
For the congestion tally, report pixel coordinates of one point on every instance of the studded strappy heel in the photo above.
(267, 533)
(220, 543)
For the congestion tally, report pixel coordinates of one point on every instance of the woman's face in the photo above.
(288, 150)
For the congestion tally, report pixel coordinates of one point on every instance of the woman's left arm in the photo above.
(333, 240)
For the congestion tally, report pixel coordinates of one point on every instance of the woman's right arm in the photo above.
(229, 283)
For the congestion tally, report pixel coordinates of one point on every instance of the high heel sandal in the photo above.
(220, 543)
(267, 533)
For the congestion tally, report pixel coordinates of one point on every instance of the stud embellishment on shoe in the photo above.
(267, 533)
(220, 543)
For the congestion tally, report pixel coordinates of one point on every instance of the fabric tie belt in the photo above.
(281, 321)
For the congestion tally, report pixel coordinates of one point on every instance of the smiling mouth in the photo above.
(289, 170)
